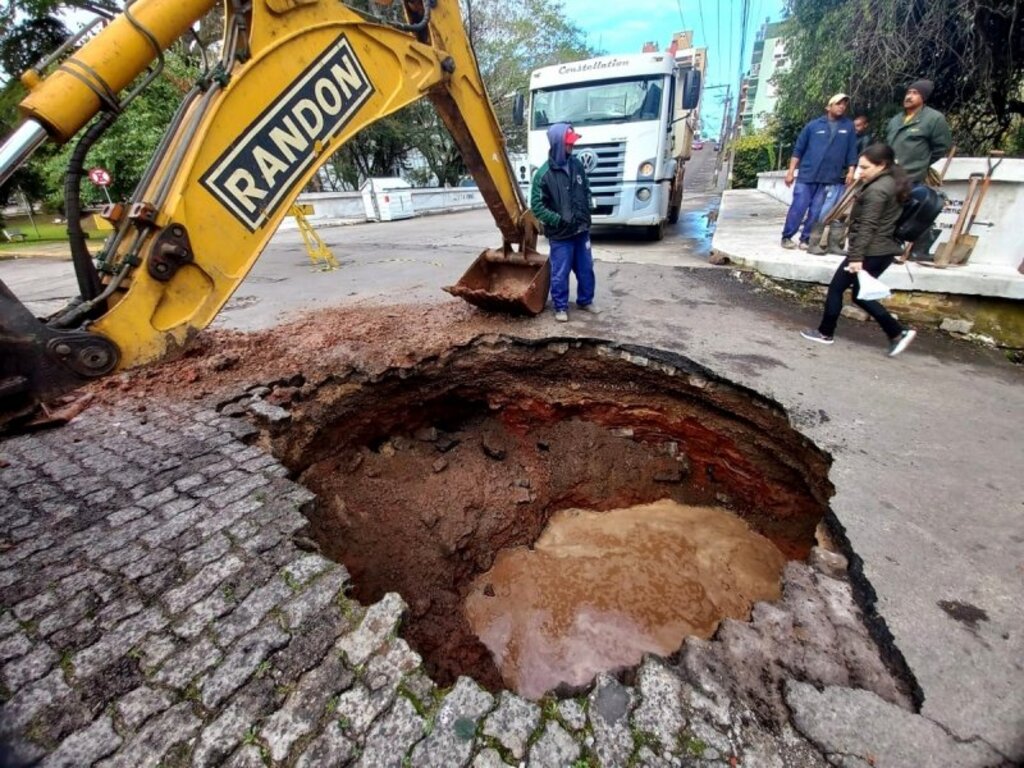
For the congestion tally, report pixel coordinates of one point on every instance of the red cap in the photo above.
(571, 137)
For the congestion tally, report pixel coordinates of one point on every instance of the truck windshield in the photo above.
(606, 101)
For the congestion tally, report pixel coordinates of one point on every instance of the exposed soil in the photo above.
(425, 471)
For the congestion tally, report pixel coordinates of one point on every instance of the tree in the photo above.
(128, 146)
(871, 49)
(513, 39)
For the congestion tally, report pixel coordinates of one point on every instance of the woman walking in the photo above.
(873, 246)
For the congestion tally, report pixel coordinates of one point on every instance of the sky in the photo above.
(623, 27)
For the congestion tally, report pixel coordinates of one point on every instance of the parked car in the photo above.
(698, 144)
(718, 145)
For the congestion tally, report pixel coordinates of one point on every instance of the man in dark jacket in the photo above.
(862, 124)
(560, 199)
(919, 137)
(825, 154)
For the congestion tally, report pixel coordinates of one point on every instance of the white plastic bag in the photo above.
(871, 288)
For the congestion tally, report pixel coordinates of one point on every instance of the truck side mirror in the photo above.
(519, 110)
(691, 89)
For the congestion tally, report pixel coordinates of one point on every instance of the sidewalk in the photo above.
(52, 249)
(749, 233)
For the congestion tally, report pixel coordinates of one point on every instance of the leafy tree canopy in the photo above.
(872, 49)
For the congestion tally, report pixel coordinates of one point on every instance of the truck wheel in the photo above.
(656, 232)
(673, 213)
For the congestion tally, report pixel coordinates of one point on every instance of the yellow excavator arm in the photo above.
(297, 79)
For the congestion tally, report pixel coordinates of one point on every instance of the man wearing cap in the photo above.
(825, 154)
(560, 199)
(919, 137)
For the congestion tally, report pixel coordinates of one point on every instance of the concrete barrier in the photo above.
(332, 208)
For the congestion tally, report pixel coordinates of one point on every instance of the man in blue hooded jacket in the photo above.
(826, 154)
(560, 199)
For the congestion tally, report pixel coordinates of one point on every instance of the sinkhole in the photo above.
(551, 509)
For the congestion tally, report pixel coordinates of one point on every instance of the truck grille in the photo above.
(605, 166)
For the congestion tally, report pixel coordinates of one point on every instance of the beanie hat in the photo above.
(924, 87)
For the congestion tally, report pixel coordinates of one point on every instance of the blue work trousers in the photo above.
(572, 255)
(832, 194)
(807, 202)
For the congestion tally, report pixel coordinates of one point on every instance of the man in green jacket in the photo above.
(560, 199)
(919, 137)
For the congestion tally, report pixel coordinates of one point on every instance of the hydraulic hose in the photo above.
(85, 269)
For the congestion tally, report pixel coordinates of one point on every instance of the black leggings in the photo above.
(841, 280)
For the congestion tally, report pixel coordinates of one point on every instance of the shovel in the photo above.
(967, 240)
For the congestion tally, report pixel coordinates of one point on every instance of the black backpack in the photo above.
(919, 213)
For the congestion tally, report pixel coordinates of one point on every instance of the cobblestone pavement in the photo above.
(162, 606)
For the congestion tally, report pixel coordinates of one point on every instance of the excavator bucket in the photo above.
(509, 282)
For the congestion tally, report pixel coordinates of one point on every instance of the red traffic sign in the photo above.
(100, 177)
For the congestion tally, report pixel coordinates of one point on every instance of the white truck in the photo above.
(637, 115)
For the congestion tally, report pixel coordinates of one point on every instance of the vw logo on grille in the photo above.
(589, 159)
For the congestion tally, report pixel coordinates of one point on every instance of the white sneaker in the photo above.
(901, 342)
(562, 317)
(588, 308)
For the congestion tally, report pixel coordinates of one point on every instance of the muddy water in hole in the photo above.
(599, 589)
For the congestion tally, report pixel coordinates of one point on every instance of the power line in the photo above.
(703, 26)
(679, 5)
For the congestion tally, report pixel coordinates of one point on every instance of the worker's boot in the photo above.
(837, 238)
(814, 245)
(923, 244)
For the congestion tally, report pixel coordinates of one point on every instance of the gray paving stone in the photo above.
(556, 749)
(305, 705)
(148, 747)
(251, 611)
(86, 746)
(235, 724)
(859, 724)
(14, 646)
(191, 661)
(140, 704)
(392, 736)
(248, 756)
(202, 614)
(228, 515)
(328, 749)
(357, 708)
(242, 660)
(209, 550)
(117, 642)
(608, 708)
(380, 621)
(572, 714)
(660, 711)
(386, 669)
(176, 526)
(124, 556)
(33, 665)
(156, 559)
(8, 626)
(512, 723)
(305, 569)
(33, 607)
(16, 714)
(200, 585)
(488, 758)
(450, 743)
(315, 598)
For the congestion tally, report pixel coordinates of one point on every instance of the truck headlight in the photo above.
(646, 170)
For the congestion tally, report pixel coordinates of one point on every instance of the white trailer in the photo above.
(635, 114)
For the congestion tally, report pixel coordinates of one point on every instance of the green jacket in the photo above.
(876, 210)
(919, 142)
(560, 199)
